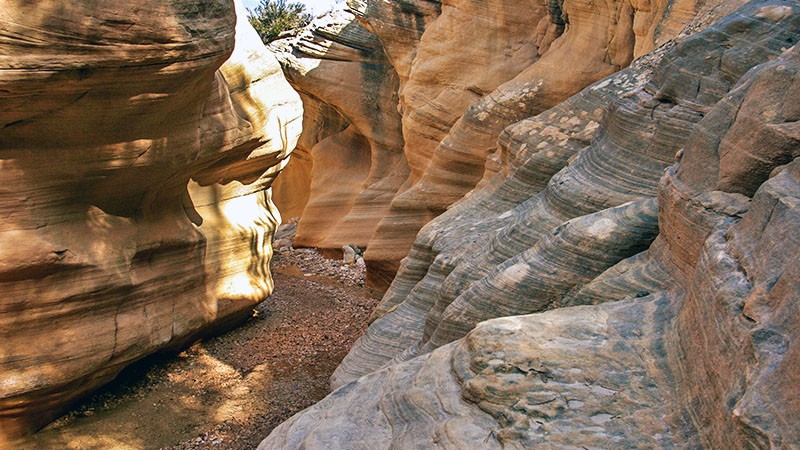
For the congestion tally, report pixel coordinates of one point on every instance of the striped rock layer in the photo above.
(408, 105)
(629, 279)
(135, 169)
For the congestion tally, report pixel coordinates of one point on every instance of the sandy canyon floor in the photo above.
(230, 391)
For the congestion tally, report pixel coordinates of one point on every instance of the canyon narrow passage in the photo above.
(582, 218)
(230, 391)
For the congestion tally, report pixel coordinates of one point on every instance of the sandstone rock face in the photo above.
(352, 132)
(556, 184)
(455, 92)
(655, 240)
(135, 205)
(520, 74)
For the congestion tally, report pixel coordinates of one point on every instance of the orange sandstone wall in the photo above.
(457, 73)
(135, 212)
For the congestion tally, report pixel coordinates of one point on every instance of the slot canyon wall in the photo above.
(135, 169)
(625, 275)
(403, 106)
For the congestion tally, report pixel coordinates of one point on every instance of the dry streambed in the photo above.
(229, 391)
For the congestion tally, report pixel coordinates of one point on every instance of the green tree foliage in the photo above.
(272, 17)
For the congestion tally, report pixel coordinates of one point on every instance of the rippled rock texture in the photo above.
(408, 106)
(648, 226)
(350, 161)
(135, 171)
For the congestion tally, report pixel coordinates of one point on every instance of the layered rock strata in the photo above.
(136, 170)
(519, 59)
(352, 137)
(688, 344)
(575, 43)
(443, 290)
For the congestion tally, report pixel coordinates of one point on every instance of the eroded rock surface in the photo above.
(556, 184)
(135, 206)
(442, 97)
(682, 336)
(352, 136)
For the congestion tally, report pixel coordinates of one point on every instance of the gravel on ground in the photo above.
(230, 391)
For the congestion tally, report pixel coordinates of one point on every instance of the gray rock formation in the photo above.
(690, 343)
(443, 290)
(409, 97)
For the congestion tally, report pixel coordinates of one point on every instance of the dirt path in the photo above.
(228, 392)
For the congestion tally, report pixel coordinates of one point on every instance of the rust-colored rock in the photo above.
(136, 211)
